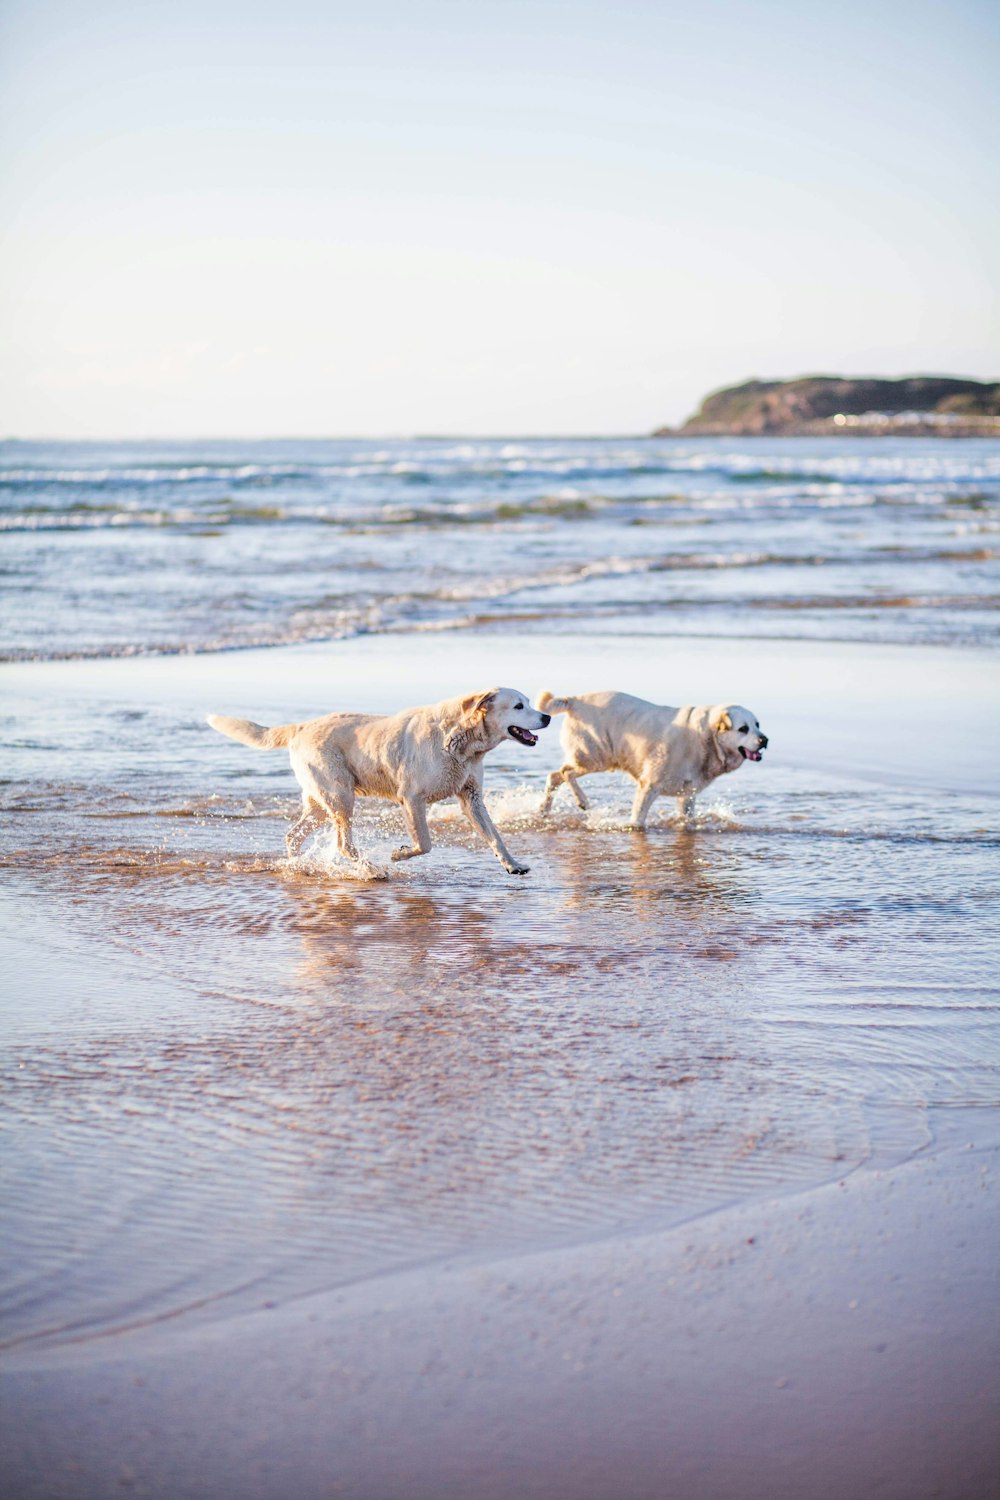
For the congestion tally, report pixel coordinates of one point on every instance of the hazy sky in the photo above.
(483, 216)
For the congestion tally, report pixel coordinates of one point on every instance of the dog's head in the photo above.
(504, 712)
(738, 735)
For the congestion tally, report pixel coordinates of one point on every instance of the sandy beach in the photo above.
(667, 1170)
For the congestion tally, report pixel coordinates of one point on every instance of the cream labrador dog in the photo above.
(415, 757)
(668, 751)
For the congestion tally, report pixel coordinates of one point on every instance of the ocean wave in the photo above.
(135, 549)
(155, 474)
(91, 517)
(570, 505)
(928, 617)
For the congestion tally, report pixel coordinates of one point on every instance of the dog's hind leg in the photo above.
(345, 840)
(332, 794)
(645, 796)
(553, 784)
(416, 822)
(312, 817)
(567, 774)
(570, 776)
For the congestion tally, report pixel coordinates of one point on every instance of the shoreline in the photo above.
(619, 624)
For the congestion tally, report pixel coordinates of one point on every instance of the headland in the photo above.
(837, 405)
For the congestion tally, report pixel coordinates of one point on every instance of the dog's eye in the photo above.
(517, 706)
(744, 729)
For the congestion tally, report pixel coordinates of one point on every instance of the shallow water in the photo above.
(232, 1080)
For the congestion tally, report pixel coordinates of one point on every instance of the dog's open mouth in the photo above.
(751, 754)
(524, 735)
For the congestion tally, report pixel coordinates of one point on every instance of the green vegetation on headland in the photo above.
(830, 405)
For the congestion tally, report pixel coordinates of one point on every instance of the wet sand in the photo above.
(669, 1170)
(837, 1343)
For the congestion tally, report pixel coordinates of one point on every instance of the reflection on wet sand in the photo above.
(647, 873)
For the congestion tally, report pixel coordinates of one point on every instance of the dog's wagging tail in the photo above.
(257, 735)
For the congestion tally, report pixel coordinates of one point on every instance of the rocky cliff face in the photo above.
(828, 404)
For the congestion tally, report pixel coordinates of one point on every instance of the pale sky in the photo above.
(483, 216)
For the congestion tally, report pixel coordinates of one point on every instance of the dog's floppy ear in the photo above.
(721, 722)
(479, 704)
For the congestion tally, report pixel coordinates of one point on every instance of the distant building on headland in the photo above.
(831, 405)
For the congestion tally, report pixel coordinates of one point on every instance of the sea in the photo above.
(144, 548)
(234, 1081)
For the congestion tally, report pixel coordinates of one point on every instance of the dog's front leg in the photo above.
(415, 811)
(470, 799)
(685, 805)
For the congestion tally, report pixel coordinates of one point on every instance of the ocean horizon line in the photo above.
(345, 437)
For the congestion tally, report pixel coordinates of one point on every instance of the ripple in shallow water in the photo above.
(353, 1077)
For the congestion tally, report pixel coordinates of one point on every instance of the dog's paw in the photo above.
(516, 869)
(405, 852)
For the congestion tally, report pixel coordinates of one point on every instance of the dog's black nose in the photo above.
(546, 720)
(763, 742)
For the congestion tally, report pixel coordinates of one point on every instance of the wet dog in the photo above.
(668, 751)
(416, 757)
